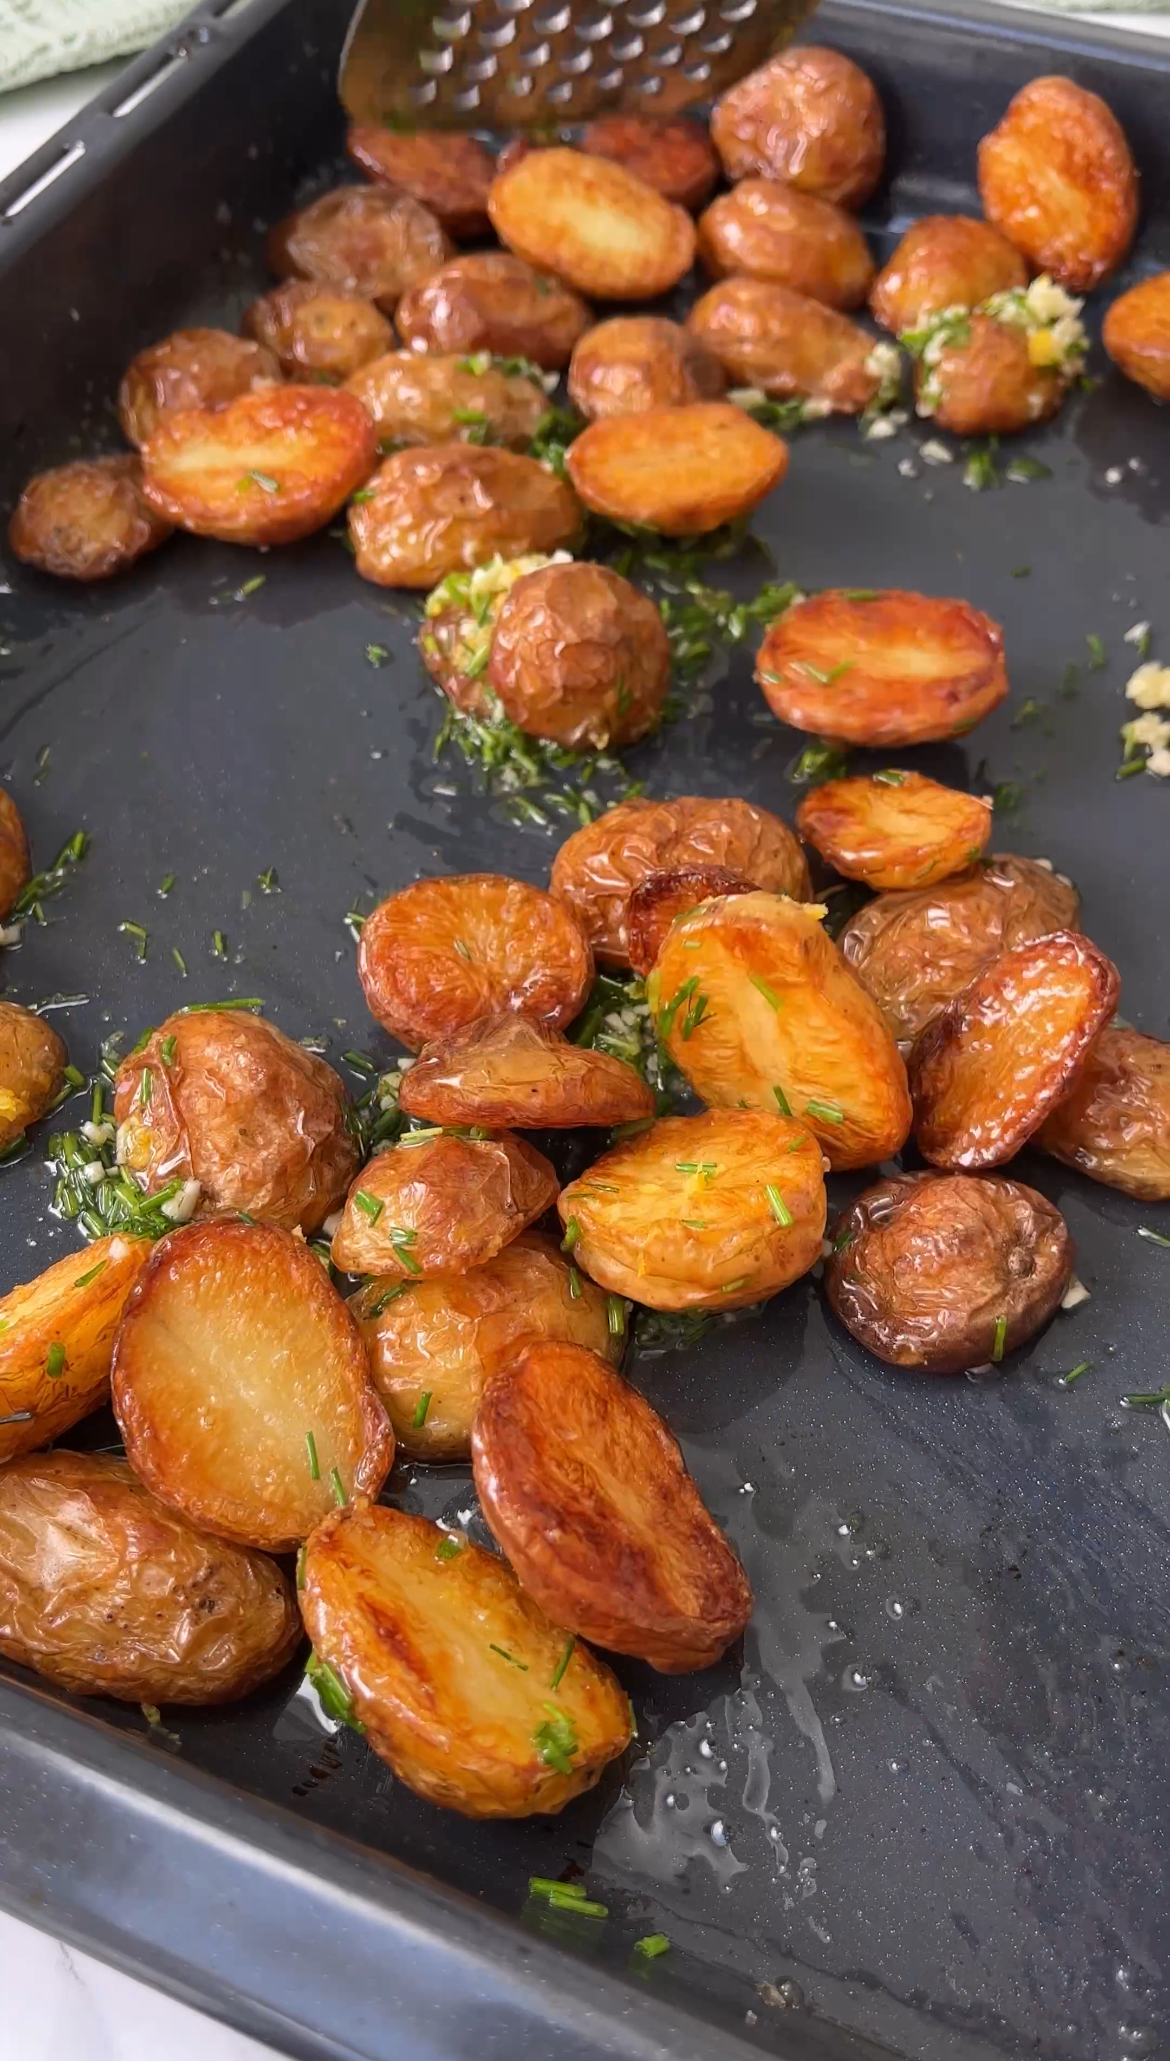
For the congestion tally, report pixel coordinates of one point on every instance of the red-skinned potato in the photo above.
(193, 368)
(57, 1338)
(766, 336)
(894, 829)
(673, 155)
(587, 1493)
(1136, 334)
(581, 657)
(361, 238)
(86, 521)
(428, 513)
(448, 172)
(318, 331)
(14, 859)
(32, 1069)
(661, 897)
(681, 471)
(490, 300)
(1115, 1125)
(593, 223)
(809, 117)
(985, 384)
(267, 468)
(635, 362)
(417, 397)
(437, 1203)
(1056, 176)
(943, 261)
(794, 239)
(509, 1070)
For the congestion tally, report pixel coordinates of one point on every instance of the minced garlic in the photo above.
(1149, 686)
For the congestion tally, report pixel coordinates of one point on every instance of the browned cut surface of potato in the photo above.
(759, 1010)
(1056, 176)
(225, 1099)
(1136, 334)
(267, 468)
(86, 521)
(1115, 1125)
(435, 1344)
(895, 829)
(680, 471)
(943, 261)
(987, 1071)
(766, 336)
(774, 232)
(422, 398)
(509, 1070)
(597, 869)
(241, 1387)
(588, 1494)
(14, 859)
(635, 362)
(428, 513)
(673, 155)
(193, 368)
(810, 117)
(106, 1592)
(462, 1684)
(57, 1338)
(915, 951)
(882, 669)
(32, 1069)
(362, 238)
(700, 1212)
(437, 1203)
(947, 1271)
(985, 383)
(444, 952)
(448, 172)
(661, 897)
(316, 330)
(492, 301)
(593, 223)
(580, 656)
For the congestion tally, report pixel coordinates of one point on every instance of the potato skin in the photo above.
(14, 859)
(106, 1592)
(503, 1070)
(895, 829)
(674, 156)
(766, 336)
(593, 223)
(316, 330)
(943, 261)
(1115, 1124)
(926, 1268)
(663, 896)
(1056, 176)
(988, 386)
(361, 238)
(580, 656)
(681, 471)
(76, 1305)
(794, 239)
(260, 1123)
(441, 1204)
(589, 1496)
(490, 300)
(192, 368)
(32, 1068)
(1136, 334)
(210, 470)
(445, 510)
(809, 117)
(417, 398)
(449, 173)
(424, 1644)
(635, 362)
(86, 521)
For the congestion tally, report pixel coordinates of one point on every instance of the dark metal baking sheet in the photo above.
(934, 1789)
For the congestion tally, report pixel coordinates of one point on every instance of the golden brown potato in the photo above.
(453, 1670)
(428, 398)
(444, 952)
(774, 232)
(757, 1007)
(895, 829)
(435, 1344)
(635, 362)
(459, 623)
(509, 1070)
(597, 869)
(882, 669)
(1115, 1125)
(809, 117)
(1136, 334)
(947, 1271)
(224, 1099)
(361, 238)
(915, 951)
(987, 1071)
(57, 1338)
(14, 859)
(661, 897)
(943, 261)
(581, 657)
(449, 173)
(267, 468)
(432, 512)
(766, 336)
(983, 382)
(492, 301)
(1056, 175)
(588, 1494)
(593, 223)
(32, 1070)
(241, 1388)
(86, 521)
(193, 368)
(436, 1203)
(680, 471)
(318, 331)
(106, 1592)
(700, 1212)
(673, 155)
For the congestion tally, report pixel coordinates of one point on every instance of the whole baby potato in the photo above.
(32, 1070)
(984, 383)
(490, 300)
(509, 1070)
(361, 238)
(428, 513)
(1057, 177)
(894, 829)
(593, 223)
(14, 859)
(57, 1338)
(766, 336)
(674, 155)
(448, 172)
(318, 331)
(581, 657)
(1136, 334)
(193, 368)
(1115, 1124)
(681, 471)
(809, 117)
(635, 362)
(87, 520)
(459, 623)
(770, 231)
(419, 397)
(440, 1203)
(943, 261)
(266, 468)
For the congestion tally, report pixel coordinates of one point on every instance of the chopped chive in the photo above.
(369, 1205)
(615, 1310)
(509, 1657)
(145, 1089)
(556, 1742)
(562, 1664)
(827, 1111)
(338, 1487)
(139, 935)
(55, 1362)
(251, 586)
(300, 1567)
(572, 1235)
(1160, 1397)
(360, 1062)
(997, 1344)
(166, 884)
(1155, 1237)
(448, 1548)
(769, 994)
(694, 1223)
(581, 1905)
(268, 882)
(179, 960)
(462, 949)
(259, 479)
(782, 1102)
(167, 1051)
(232, 1002)
(388, 1295)
(377, 654)
(402, 1240)
(574, 1284)
(655, 1943)
(420, 1410)
(83, 1280)
(314, 1462)
(1097, 658)
(669, 1010)
(1074, 1373)
(544, 1885)
(890, 777)
(778, 1206)
(218, 945)
(363, 494)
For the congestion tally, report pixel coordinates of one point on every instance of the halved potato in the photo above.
(580, 656)
(882, 669)
(635, 362)
(663, 896)
(757, 1007)
(943, 261)
(192, 368)
(983, 383)
(223, 1098)
(448, 172)
(361, 238)
(681, 471)
(674, 155)
(241, 1388)
(14, 859)
(1115, 1125)
(895, 829)
(809, 117)
(57, 1338)
(428, 513)
(770, 231)
(492, 301)
(86, 521)
(987, 1071)
(444, 952)
(588, 1494)
(106, 1592)
(700, 1212)
(440, 1203)
(947, 1271)
(593, 223)
(435, 1344)
(32, 1069)
(419, 397)
(1136, 334)
(318, 331)
(1056, 175)
(461, 1683)
(766, 336)
(267, 468)
(509, 1070)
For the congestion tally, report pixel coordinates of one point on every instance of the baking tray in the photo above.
(933, 1791)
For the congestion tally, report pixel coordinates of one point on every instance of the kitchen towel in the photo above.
(39, 38)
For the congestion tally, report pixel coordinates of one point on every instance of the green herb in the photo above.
(828, 1112)
(338, 1487)
(314, 1462)
(999, 1340)
(43, 886)
(661, 1331)
(449, 1548)
(782, 417)
(825, 679)
(843, 1240)
(463, 949)
(1068, 689)
(556, 430)
(230, 1002)
(55, 1362)
(556, 1740)
(1021, 469)
(817, 762)
(167, 1054)
(332, 1694)
(572, 1235)
(889, 777)
(388, 1295)
(1074, 1374)
(562, 1664)
(509, 1657)
(1006, 797)
(1021, 572)
(145, 1089)
(778, 1206)
(363, 494)
(546, 1885)
(83, 1280)
(267, 881)
(166, 884)
(116, 1202)
(980, 471)
(1029, 712)
(1097, 658)
(139, 935)
(694, 1223)
(574, 1284)
(179, 960)
(669, 1010)
(1145, 642)
(259, 479)
(782, 1102)
(769, 994)
(1157, 1400)
(1129, 767)
(402, 1240)
(301, 1550)
(218, 945)
(420, 1409)
(616, 1311)
(513, 763)
(655, 1943)
(42, 772)
(249, 587)
(696, 1014)
(378, 655)
(369, 1205)
(1155, 1237)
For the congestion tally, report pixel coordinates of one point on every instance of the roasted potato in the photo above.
(224, 1099)
(987, 1071)
(581, 657)
(492, 301)
(193, 368)
(597, 869)
(509, 1070)
(588, 1494)
(1115, 1125)
(32, 1070)
(363, 239)
(264, 469)
(882, 669)
(947, 1271)
(87, 520)
(809, 117)
(766, 336)
(1136, 334)
(635, 362)
(318, 331)
(106, 1592)
(680, 471)
(943, 261)
(983, 382)
(443, 952)
(661, 897)
(432, 512)
(700, 1212)
(755, 1005)
(673, 155)
(241, 1388)
(895, 829)
(434, 1345)
(774, 232)
(593, 223)
(439, 1203)
(426, 398)
(449, 173)
(453, 1670)
(915, 951)
(459, 623)
(1056, 176)
(14, 859)
(56, 1340)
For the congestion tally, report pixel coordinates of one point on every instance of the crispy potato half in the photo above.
(945, 1272)
(435, 1344)
(362, 238)
(419, 397)
(661, 897)
(1115, 1125)
(681, 471)
(894, 828)
(943, 261)
(463, 1686)
(635, 362)
(509, 1070)
(428, 513)
(674, 155)
(1057, 177)
(440, 1203)
(580, 656)
(318, 331)
(86, 521)
(267, 468)
(32, 1070)
(490, 300)
(14, 859)
(57, 1339)
(794, 239)
(987, 1071)
(766, 336)
(594, 223)
(193, 368)
(589, 1495)
(225, 1099)
(1136, 334)
(758, 1009)
(106, 1592)
(448, 172)
(809, 117)
(985, 383)
(241, 1387)
(881, 669)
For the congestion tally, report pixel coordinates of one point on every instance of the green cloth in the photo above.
(39, 38)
